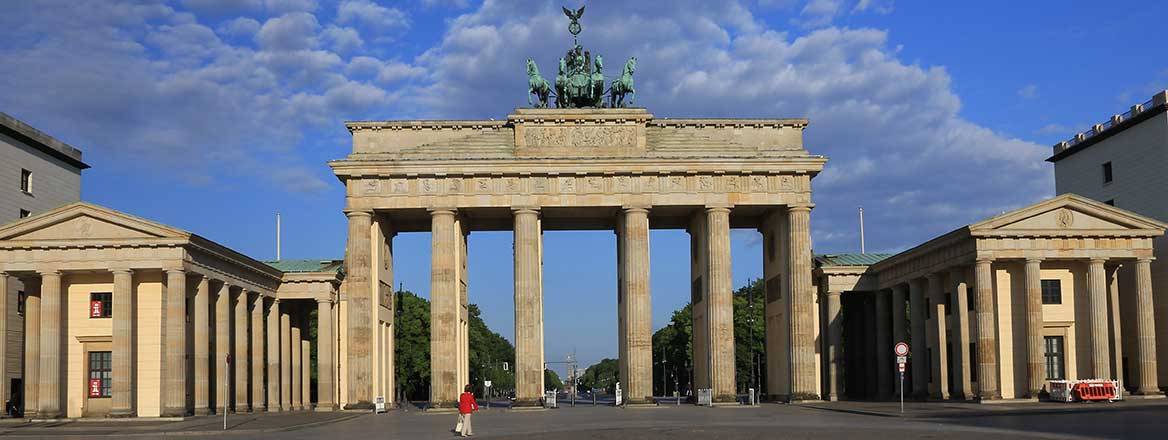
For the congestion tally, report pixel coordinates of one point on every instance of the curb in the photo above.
(185, 433)
(984, 413)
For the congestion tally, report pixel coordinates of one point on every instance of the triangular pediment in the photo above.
(83, 221)
(1068, 214)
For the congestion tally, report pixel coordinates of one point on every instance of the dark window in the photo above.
(770, 245)
(929, 364)
(695, 291)
(1110, 202)
(973, 364)
(20, 297)
(99, 370)
(26, 181)
(1107, 172)
(1052, 292)
(948, 304)
(1054, 358)
(774, 289)
(100, 305)
(24, 213)
(928, 309)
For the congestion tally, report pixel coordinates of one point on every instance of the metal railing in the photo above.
(1106, 125)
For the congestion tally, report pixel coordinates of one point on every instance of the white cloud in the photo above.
(371, 15)
(342, 39)
(818, 13)
(240, 27)
(292, 31)
(1054, 129)
(1029, 91)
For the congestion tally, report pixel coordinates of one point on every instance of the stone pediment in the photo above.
(1068, 214)
(83, 221)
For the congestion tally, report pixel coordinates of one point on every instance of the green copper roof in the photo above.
(850, 259)
(307, 265)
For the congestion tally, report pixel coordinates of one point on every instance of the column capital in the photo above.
(933, 277)
(636, 208)
(710, 209)
(984, 260)
(350, 213)
(1033, 260)
(525, 210)
(323, 300)
(833, 293)
(800, 206)
(1097, 260)
(49, 272)
(182, 270)
(1142, 260)
(119, 270)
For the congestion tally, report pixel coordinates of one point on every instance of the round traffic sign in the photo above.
(901, 349)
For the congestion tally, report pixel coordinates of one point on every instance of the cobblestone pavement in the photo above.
(822, 421)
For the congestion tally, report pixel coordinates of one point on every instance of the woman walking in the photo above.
(466, 407)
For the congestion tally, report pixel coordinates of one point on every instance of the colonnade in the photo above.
(952, 317)
(192, 376)
(709, 229)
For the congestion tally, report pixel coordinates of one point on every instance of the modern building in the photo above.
(1122, 162)
(995, 309)
(37, 173)
(128, 317)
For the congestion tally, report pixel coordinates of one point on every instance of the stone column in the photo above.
(445, 310)
(50, 355)
(941, 349)
(4, 394)
(1035, 359)
(297, 402)
(122, 368)
(884, 345)
(899, 322)
(528, 308)
(285, 359)
(920, 350)
(802, 304)
(305, 370)
(32, 347)
(834, 347)
(1146, 329)
(240, 358)
(175, 393)
(987, 343)
(324, 356)
(273, 347)
(359, 333)
(257, 354)
(222, 374)
(202, 329)
(50, 361)
(1097, 298)
(961, 356)
(637, 329)
(720, 311)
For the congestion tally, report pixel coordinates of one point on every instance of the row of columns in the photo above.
(713, 309)
(225, 320)
(930, 340)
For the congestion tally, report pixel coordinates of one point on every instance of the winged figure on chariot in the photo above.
(579, 81)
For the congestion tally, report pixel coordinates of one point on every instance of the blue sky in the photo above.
(211, 115)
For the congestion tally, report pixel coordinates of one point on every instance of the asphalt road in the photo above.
(766, 421)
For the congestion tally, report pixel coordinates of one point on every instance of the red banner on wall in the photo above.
(95, 309)
(94, 387)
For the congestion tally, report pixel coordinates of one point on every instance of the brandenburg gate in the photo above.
(619, 169)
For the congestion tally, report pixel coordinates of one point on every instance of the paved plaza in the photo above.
(1133, 419)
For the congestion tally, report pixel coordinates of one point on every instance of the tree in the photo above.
(551, 381)
(602, 375)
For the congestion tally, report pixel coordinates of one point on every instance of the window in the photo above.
(948, 304)
(99, 374)
(1052, 292)
(24, 213)
(20, 297)
(26, 181)
(973, 365)
(928, 309)
(1107, 172)
(1054, 357)
(100, 305)
(1110, 202)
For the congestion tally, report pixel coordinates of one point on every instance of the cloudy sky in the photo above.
(212, 115)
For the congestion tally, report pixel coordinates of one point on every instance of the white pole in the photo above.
(277, 236)
(862, 230)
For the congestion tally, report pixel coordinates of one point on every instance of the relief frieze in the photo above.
(580, 136)
(583, 184)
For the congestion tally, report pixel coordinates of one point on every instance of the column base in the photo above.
(726, 398)
(1148, 394)
(173, 412)
(204, 411)
(526, 403)
(325, 408)
(121, 414)
(359, 406)
(259, 409)
(640, 401)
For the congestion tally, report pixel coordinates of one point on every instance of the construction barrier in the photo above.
(1088, 390)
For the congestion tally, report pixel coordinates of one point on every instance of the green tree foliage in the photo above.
(602, 375)
(488, 350)
(673, 344)
(551, 381)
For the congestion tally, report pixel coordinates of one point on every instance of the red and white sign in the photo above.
(900, 367)
(95, 309)
(901, 349)
(94, 387)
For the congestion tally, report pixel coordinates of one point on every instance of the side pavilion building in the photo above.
(995, 309)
